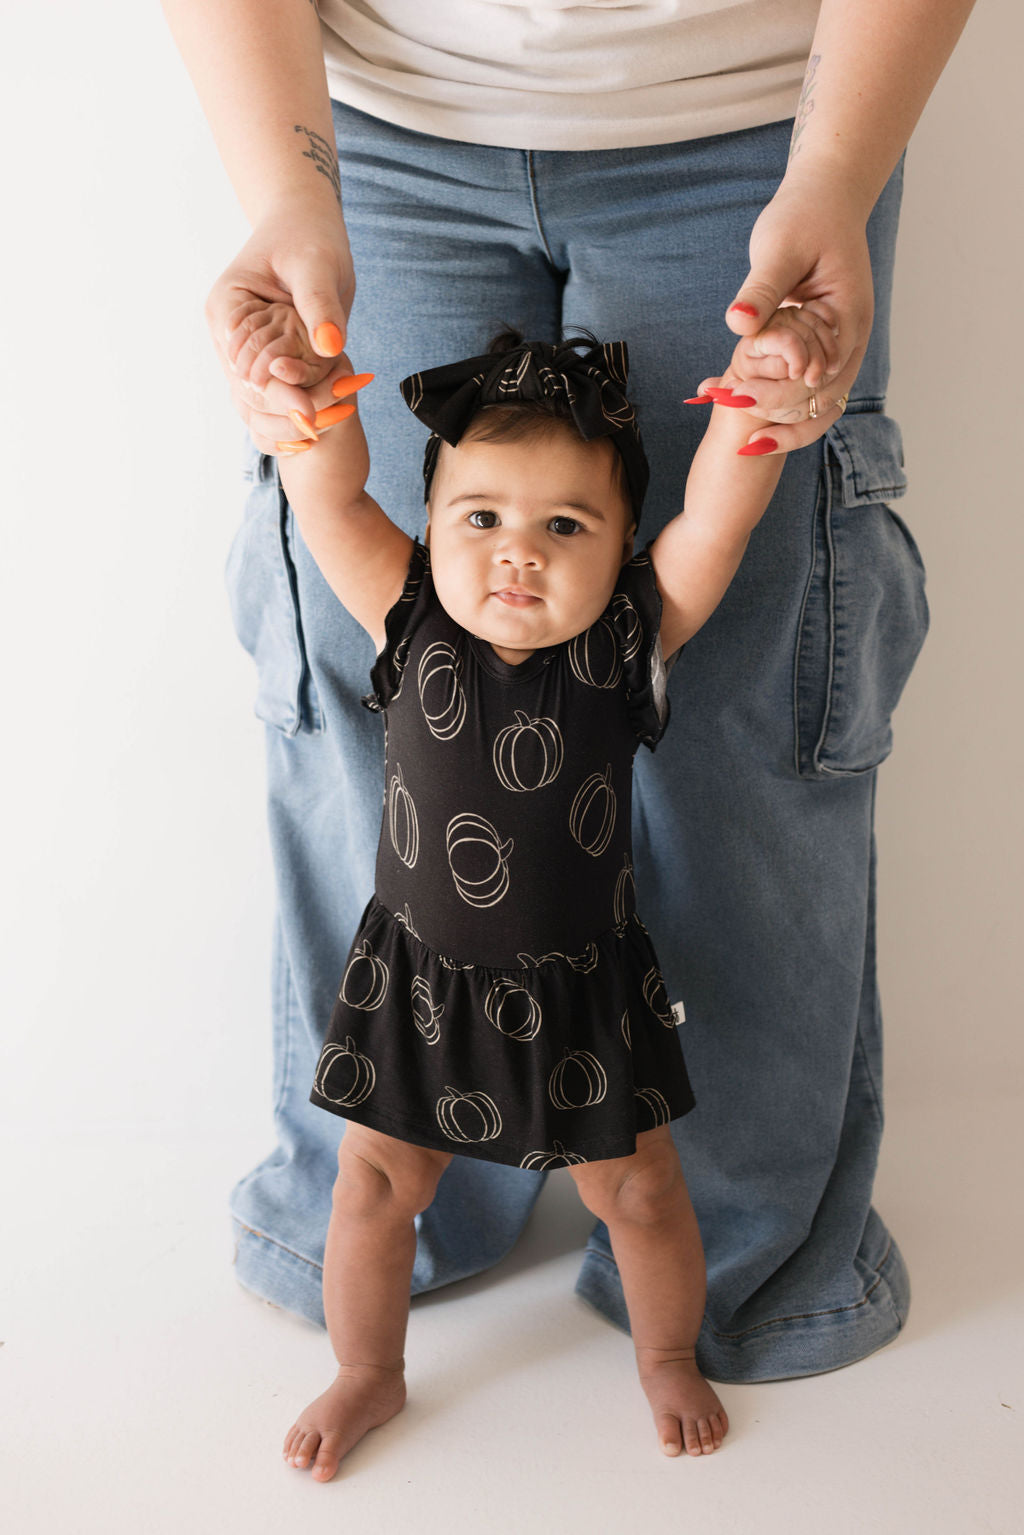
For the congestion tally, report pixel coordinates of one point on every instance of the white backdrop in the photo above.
(137, 879)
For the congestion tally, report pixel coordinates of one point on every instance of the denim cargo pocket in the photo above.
(263, 594)
(865, 615)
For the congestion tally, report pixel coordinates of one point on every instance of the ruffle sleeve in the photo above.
(635, 616)
(399, 626)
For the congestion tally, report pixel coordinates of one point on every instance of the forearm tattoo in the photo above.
(805, 106)
(324, 157)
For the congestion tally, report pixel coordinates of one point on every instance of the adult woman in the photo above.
(605, 180)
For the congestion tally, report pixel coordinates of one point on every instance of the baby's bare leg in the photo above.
(643, 1200)
(382, 1184)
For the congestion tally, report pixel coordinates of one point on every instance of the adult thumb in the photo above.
(323, 312)
(765, 287)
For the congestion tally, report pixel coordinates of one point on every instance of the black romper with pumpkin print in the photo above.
(502, 998)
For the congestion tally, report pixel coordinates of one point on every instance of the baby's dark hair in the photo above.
(521, 419)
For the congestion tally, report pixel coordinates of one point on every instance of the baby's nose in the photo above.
(520, 548)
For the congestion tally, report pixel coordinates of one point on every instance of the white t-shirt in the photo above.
(555, 75)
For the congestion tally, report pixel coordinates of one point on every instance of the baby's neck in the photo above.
(511, 657)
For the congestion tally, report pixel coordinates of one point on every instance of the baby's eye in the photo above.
(493, 516)
(566, 526)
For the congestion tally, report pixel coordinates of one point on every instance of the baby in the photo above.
(502, 998)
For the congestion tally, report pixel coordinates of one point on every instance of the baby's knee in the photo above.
(644, 1193)
(378, 1174)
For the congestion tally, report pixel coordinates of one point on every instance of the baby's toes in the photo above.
(670, 1435)
(327, 1458)
(306, 1448)
(697, 1436)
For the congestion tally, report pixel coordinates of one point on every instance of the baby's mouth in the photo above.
(515, 596)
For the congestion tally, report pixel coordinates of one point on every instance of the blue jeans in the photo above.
(753, 827)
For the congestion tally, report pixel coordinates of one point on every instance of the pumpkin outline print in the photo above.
(482, 1104)
(398, 665)
(590, 793)
(584, 662)
(426, 1014)
(542, 732)
(594, 1073)
(493, 887)
(542, 1161)
(404, 919)
(377, 980)
(629, 626)
(654, 990)
(656, 1102)
(622, 907)
(582, 963)
(363, 1082)
(454, 964)
(502, 990)
(440, 660)
(402, 817)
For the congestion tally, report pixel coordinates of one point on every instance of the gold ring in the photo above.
(841, 402)
(812, 408)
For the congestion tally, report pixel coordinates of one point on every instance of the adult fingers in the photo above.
(268, 411)
(829, 402)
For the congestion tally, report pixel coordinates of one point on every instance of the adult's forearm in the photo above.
(258, 70)
(872, 67)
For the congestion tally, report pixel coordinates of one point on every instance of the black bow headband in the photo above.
(592, 385)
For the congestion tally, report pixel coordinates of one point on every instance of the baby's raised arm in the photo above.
(697, 554)
(363, 555)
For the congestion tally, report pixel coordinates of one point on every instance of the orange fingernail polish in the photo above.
(303, 423)
(350, 384)
(332, 414)
(289, 448)
(329, 338)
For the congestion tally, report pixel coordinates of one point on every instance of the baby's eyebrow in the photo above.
(571, 506)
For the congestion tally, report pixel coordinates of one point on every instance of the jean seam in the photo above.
(256, 1232)
(532, 182)
(287, 995)
(830, 671)
(801, 620)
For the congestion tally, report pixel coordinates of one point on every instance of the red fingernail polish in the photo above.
(762, 445)
(714, 390)
(745, 309)
(699, 399)
(739, 400)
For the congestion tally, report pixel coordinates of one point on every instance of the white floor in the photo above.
(146, 1392)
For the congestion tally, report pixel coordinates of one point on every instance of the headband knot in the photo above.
(592, 385)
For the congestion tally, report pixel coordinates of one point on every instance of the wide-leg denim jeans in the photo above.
(753, 829)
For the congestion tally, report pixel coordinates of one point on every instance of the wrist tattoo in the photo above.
(324, 157)
(805, 106)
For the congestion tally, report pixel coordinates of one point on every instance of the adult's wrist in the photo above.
(828, 176)
(302, 210)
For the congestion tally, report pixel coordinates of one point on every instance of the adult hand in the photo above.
(299, 256)
(808, 247)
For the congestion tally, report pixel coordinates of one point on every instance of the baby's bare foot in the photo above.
(686, 1410)
(361, 1397)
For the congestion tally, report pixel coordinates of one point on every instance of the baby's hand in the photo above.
(786, 375)
(799, 341)
(268, 340)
